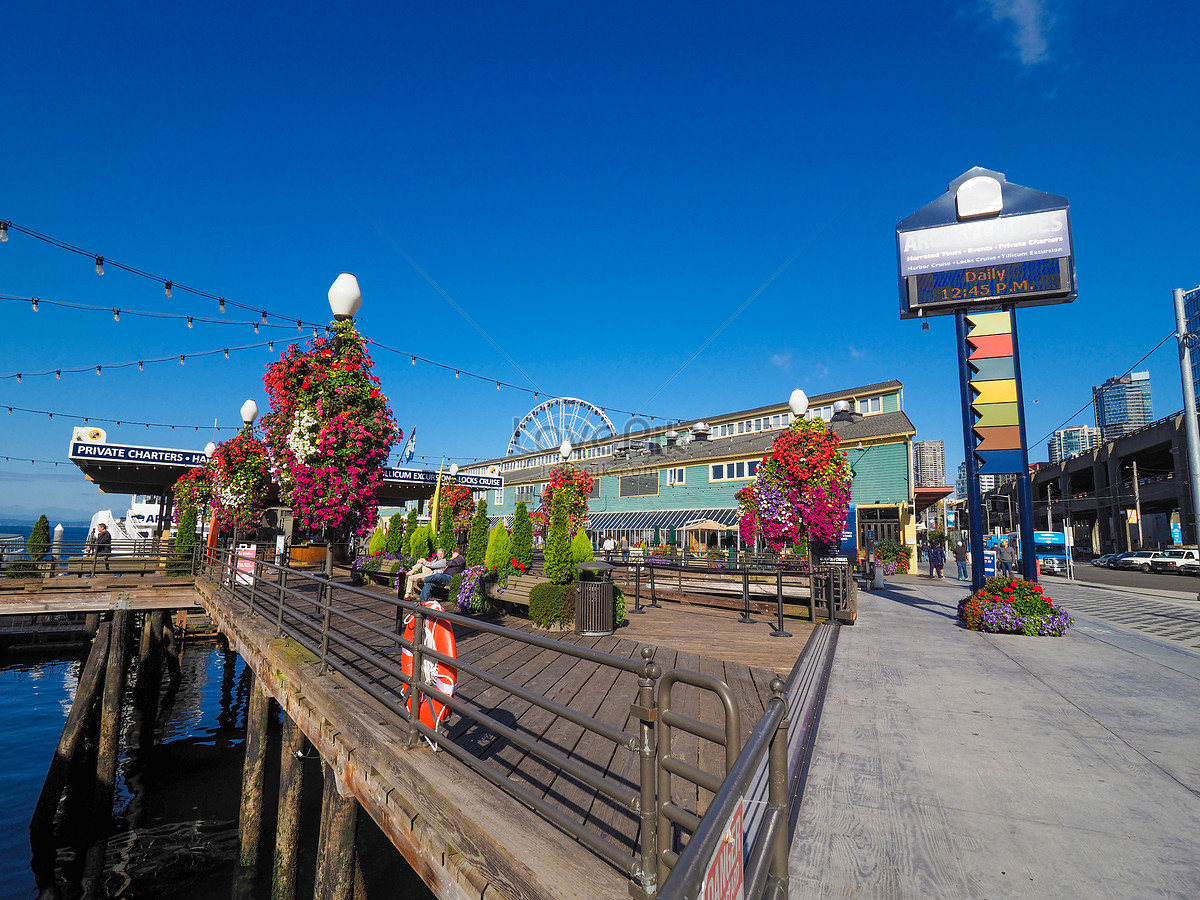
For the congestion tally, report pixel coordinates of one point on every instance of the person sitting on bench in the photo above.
(454, 566)
(422, 570)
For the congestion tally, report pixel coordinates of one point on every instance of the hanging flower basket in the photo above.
(329, 431)
(192, 489)
(241, 481)
(801, 489)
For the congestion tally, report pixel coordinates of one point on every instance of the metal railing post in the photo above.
(778, 630)
(646, 710)
(637, 592)
(325, 592)
(283, 572)
(653, 598)
(413, 737)
(253, 585)
(777, 795)
(745, 619)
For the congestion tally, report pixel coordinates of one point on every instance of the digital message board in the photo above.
(984, 285)
(985, 244)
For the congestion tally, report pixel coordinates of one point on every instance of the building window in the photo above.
(870, 405)
(717, 473)
(821, 412)
(642, 485)
(676, 476)
(499, 492)
(595, 493)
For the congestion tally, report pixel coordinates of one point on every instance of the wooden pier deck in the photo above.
(448, 820)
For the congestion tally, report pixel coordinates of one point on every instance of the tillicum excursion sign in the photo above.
(985, 244)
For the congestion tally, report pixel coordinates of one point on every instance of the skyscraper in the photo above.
(929, 462)
(1071, 440)
(1123, 405)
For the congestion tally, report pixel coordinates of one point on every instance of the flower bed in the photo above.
(1008, 606)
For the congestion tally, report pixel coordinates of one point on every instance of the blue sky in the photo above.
(575, 198)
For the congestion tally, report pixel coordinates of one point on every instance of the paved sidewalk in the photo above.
(955, 764)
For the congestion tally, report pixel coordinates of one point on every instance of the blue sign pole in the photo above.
(1025, 498)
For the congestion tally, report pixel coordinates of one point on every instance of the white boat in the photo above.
(139, 524)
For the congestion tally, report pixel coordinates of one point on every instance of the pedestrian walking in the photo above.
(937, 560)
(103, 544)
(960, 557)
(625, 548)
(609, 546)
(1006, 557)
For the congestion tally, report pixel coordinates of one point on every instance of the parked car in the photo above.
(1104, 560)
(1139, 559)
(1115, 562)
(1174, 560)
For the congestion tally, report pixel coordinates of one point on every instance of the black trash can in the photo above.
(594, 600)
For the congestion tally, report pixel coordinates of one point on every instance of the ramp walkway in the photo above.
(960, 765)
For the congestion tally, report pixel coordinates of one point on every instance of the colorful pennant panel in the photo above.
(993, 384)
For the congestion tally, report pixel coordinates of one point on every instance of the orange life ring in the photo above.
(437, 674)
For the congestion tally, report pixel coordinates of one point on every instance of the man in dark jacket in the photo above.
(103, 544)
(454, 566)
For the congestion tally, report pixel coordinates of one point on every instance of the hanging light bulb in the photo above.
(57, 374)
(181, 359)
(497, 385)
(99, 265)
(18, 378)
(97, 370)
(116, 315)
(299, 326)
(139, 365)
(270, 346)
(147, 426)
(118, 424)
(456, 373)
(227, 353)
(35, 301)
(3, 232)
(264, 315)
(414, 360)
(220, 304)
(256, 328)
(51, 415)
(189, 321)
(167, 289)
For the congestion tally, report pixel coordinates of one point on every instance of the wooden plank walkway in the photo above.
(703, 639)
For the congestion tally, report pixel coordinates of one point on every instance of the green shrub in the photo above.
(421, 543)
(21, 568)
(559, 568)
(552, 604)
(520, 546)
(497, 547)
(38, 545)
(581, 548)
(445, 537)
(185, 540)
(378, 541)
(618, 606)
(395, 534)
(477, 540)
(410, 526)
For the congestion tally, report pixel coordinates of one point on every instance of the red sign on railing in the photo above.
(724, 879)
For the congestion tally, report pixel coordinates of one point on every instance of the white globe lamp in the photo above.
(345, 297)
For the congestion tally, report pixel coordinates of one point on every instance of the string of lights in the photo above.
(88, 420)
(32, 462)
(140, 363)
(170, 285)
(36, 303)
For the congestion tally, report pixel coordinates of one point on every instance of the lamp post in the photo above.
(565, 449)
(249, 412)
(798, 403)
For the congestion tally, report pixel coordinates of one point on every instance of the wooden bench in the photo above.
(516, 592)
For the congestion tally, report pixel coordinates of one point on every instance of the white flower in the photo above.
(302, 439)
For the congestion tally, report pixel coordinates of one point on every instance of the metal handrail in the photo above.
(276, 596)
(762, 772)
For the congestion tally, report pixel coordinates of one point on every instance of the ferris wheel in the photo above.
(548, 424)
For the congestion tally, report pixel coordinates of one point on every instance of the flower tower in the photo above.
(801, 490)
(330, 428)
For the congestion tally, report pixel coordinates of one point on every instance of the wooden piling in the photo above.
(291, 786)
(336, 848)
(108, 751)
(250, 818)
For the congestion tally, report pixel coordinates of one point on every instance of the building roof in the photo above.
(870, 428)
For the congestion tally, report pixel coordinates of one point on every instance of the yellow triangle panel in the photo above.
(992, 414)
(989, 323)
(994, 391)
